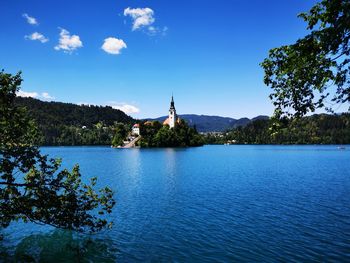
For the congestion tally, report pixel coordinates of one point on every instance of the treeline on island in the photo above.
(155, 134)
(70, 124)
(315, 129)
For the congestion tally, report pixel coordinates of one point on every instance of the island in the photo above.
(173, 132)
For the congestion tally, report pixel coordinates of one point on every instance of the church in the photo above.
(172, 119)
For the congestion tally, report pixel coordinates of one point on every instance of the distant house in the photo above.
(136, 129)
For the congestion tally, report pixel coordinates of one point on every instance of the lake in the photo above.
(206, 204)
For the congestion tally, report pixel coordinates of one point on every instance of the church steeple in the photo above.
(172, 104)
(172, 113)
(172, 118)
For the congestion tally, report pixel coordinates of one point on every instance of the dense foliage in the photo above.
(316, 129)
(70, 124)
(32, 187)
(314, 72)
(154, 134)
(98, 134)
(121, 132)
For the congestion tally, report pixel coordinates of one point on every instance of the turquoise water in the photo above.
(206, 204)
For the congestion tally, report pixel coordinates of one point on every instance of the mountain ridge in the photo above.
(212, 123)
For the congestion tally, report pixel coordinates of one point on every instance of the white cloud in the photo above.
(127, 108)
(36, 95)
(46, 96)
(165, 30)
(26, 94)
(152, 31)
(30, 20)
(37, 36)
(113, 45)
(142, 17)
(68, 43)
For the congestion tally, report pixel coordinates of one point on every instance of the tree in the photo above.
(304, 75)
(121, 131)
(70, 124)
(315, 129)
(32, 187)
(154, 134)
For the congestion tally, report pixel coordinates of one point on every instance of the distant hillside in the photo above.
(205, 123)
(59, 113)
(314, 129)
(71, 124)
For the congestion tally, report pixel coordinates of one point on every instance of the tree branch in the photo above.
(33, 185)
(16, 184)
(333, 59)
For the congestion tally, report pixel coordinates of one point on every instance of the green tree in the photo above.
(121, 131)
(315, 129)
(155, 134)
(32, 188)
(70, 124)
(304, 75)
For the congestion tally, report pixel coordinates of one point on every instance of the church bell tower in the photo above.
(172, 113)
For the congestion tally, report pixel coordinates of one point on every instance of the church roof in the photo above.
(167, 121)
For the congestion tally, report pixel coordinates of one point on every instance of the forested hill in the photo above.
(59, 113)
(206, 123)
(315, 129)
(71, 124)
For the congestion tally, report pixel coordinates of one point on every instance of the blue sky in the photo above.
(135, 54)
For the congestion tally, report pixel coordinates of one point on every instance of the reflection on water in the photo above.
(170, 160)
(132, 166)
(171, 171)
(59, 246)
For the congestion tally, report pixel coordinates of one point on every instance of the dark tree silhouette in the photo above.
(32, 187)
